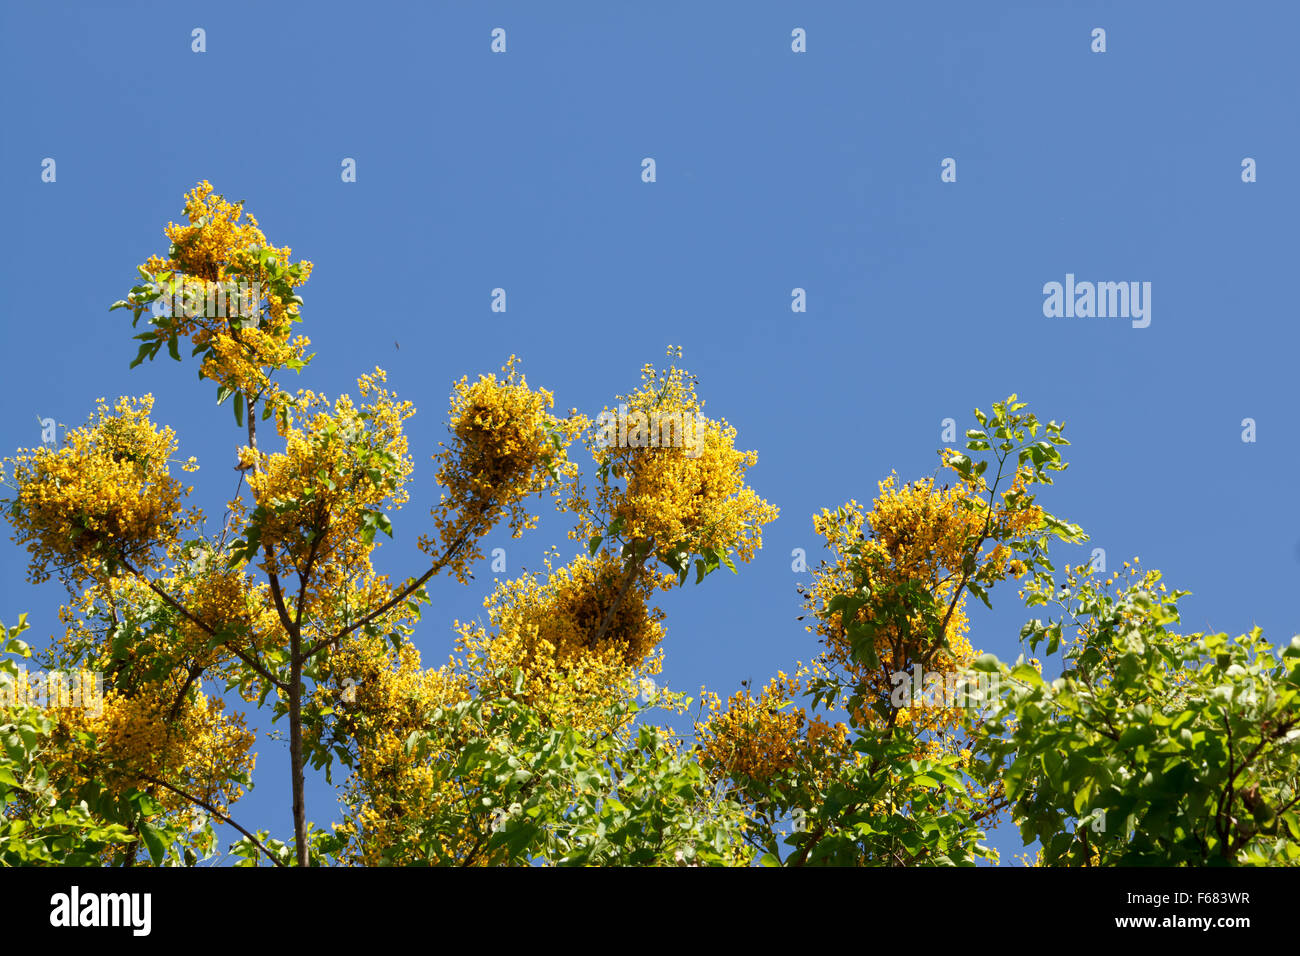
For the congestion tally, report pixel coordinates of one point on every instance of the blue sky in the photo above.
(775, 170)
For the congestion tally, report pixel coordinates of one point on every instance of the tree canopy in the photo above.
(544, 738)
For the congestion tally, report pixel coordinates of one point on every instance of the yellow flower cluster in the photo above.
(340, 463)
(156, 725)
(757, 738)
(106, 493)
(918, 535)
(206, 246)
(240, 357)
(581, 639)
(389, 793)
(217, 599)
(923, 531)
(505, 446)
(214, 248)
(378, 691)
(687, 493)
(380, 696)
(228, 601)
(133, 743)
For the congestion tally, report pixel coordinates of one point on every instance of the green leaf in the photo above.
(1137, 736)
(146, 351)
(239, 409)
(155, 840)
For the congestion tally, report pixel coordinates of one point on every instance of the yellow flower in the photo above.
(105, 495)
(219, 270)
(582, 639)
(683, 484)
(757, 738)
(505, 447)
(341, 463)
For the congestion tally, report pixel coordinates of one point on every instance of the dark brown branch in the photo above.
(634, 563)
(219, 815)
(205, 628)
(193, 674)
(393, 601)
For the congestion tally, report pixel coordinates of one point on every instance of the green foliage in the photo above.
(886, 808)
(544, 795)
(41, 821)
(1152, 748)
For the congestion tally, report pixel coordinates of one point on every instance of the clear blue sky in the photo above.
(775, 170)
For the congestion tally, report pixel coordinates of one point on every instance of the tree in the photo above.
(1152, 747)
(897, 744)
(283, 603)
(892, 785)
(44, 823)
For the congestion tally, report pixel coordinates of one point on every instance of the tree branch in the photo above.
(218, 814)
(204, 627)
